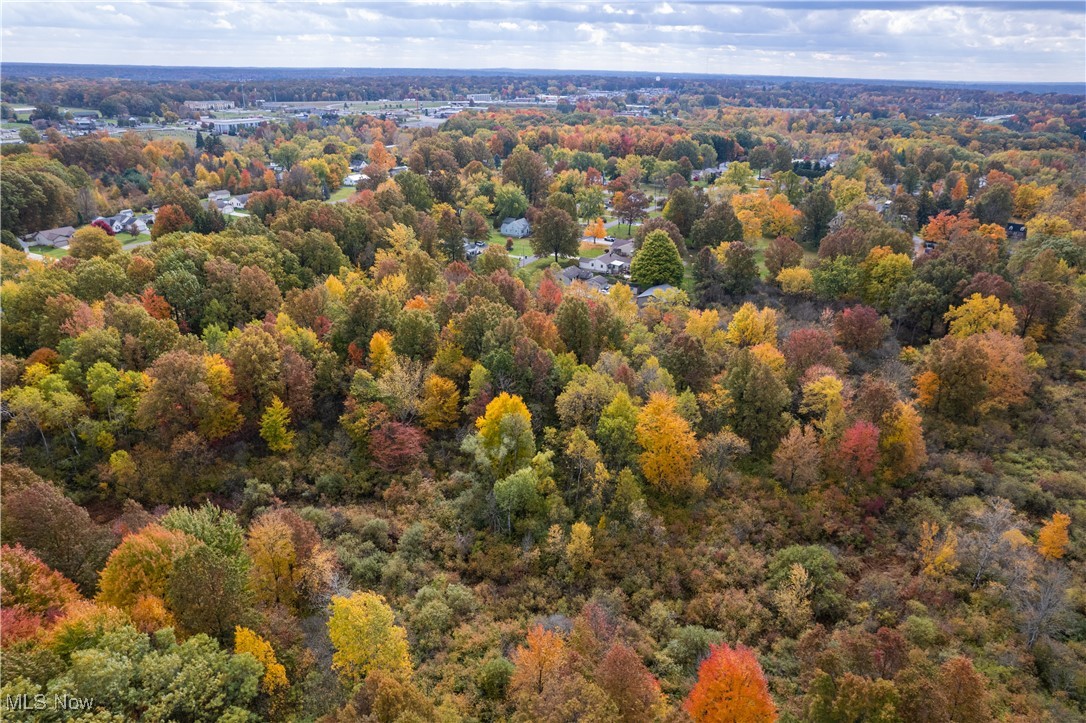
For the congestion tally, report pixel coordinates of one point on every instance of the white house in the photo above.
(120, 221)
(516, 227)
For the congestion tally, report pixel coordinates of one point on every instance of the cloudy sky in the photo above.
(969, 40)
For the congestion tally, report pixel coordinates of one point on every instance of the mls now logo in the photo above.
(61, 701)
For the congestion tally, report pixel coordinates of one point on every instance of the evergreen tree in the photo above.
(657, 262)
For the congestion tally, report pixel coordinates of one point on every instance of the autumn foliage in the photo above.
(731, 687)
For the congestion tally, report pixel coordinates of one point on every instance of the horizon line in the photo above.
(542, 71)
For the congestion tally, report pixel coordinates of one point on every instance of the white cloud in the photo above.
(1005, 40)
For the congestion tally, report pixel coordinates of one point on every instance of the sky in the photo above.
(968, 40)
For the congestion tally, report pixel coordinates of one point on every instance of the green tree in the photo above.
(818, 210)
(683, 208)
(555, 232)
(717, 225)
(657, 262)
(275, 427)
(760, 399)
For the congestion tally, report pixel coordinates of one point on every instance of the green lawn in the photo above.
(53, 253)
(619, 231)
(591, 251)
(188, 137)
(342, 194)
(66, 109)
(127, 238)
(546, 261)
(521, 246)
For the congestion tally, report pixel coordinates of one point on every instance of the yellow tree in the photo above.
(276, 572)
(275, 427)
(366, 639)
(1052, 540)
(796, 280)
(750, 326)
(669, 446)
(220, 415)
(381, 354)
(275, 675)
(938, 556)
(505, 433)
(141, 565)
(979, 314)
(823, 399)
(440, 404)
(580, 549)
(901, 444)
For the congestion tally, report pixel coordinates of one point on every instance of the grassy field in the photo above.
(342, 194)
(521, 246)
(53, 253)
(545, 262)
(127, 238)
(184, 136)
(591, 250)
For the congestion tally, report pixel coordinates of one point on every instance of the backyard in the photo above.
(342, 194)
(521, 246)
(53, 253)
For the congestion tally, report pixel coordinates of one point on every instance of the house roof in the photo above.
(654, 291)
(57, 232)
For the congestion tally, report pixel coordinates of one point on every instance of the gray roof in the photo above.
(654, 291)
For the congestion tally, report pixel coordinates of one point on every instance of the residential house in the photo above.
(225, 201)
(600, 284)
(572, 273)
(56, 237)
(609, 263)
(473, 249)
(119, 221)
(516, 227)
(652, 293)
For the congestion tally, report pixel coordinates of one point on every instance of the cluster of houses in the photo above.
(226, 202)
(126, 221)
(594, 271)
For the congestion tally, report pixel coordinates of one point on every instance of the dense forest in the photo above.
(323, 460)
